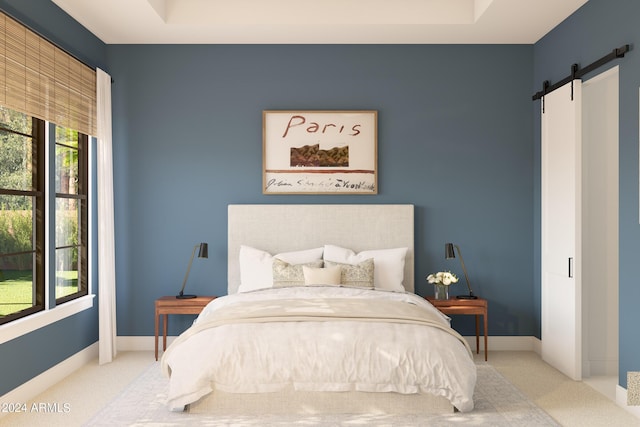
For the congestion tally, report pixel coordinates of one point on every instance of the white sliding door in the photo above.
(561, 187)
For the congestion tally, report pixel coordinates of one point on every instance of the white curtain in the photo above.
(106, 239)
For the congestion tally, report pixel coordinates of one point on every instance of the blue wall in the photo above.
(590, 33)
(29, 355)
(455, 139)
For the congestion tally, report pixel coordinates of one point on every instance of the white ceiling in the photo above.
(315, 21)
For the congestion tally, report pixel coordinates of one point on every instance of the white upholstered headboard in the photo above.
(284, 228)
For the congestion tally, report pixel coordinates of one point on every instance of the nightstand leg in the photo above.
(477, 334)
(164, 332)
(156, 334)
(486, 344)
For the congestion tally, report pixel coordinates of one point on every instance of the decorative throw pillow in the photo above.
(256, 265)
(360, 275)
(322, 276)
(285, 274)
(389, 264)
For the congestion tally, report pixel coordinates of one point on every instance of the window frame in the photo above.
(47, 310)
(82, 197)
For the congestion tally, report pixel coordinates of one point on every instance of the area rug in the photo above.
(498, 403)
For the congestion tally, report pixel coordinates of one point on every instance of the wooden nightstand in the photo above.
(172, 305)
(478, 307)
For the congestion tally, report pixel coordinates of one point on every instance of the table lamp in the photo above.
(203, 252)
(448, 254)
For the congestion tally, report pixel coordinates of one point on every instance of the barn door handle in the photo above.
(570, 267)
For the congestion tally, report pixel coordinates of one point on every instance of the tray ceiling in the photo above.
(320, 22)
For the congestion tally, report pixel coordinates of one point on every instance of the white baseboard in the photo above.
(599, 367)
(537, 345)
(621, 400)
(51, 376)
(507, 343)
(141, 343)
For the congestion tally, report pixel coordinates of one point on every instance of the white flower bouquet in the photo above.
(442, 278)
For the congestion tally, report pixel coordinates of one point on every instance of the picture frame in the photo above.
(319, 152)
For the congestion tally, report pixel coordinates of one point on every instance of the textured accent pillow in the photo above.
(322, 276)
(256, 266)
(360, 275)
(389, 264)
(285, 274)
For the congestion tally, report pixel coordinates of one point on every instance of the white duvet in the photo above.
(333, 355)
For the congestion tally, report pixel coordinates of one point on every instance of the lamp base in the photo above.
(181, 296)
(467, 297)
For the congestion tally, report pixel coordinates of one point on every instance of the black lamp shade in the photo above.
(203, 252)
(448, 251)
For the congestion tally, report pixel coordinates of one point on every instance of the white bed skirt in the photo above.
(311, 403)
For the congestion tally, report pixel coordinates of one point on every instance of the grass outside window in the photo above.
(16, 288)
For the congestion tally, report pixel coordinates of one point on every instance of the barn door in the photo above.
(561, 193)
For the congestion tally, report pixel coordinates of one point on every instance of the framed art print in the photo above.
(319, 152)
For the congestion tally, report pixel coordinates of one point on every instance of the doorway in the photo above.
(579, 258)
(600, 206)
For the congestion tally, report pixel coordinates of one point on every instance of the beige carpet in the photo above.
(497, 403)
(571, 403)
(92, 388)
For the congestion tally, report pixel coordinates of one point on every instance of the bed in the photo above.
(337, 329)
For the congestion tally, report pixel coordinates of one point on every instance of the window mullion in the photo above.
(40, 182)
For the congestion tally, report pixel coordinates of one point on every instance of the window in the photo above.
(47, 111)
(21, 215)
(23, 190)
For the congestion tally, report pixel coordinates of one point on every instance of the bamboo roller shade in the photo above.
(41, 80)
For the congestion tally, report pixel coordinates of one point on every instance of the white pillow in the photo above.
(256, 266)
(388, 264)
(322, 276)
